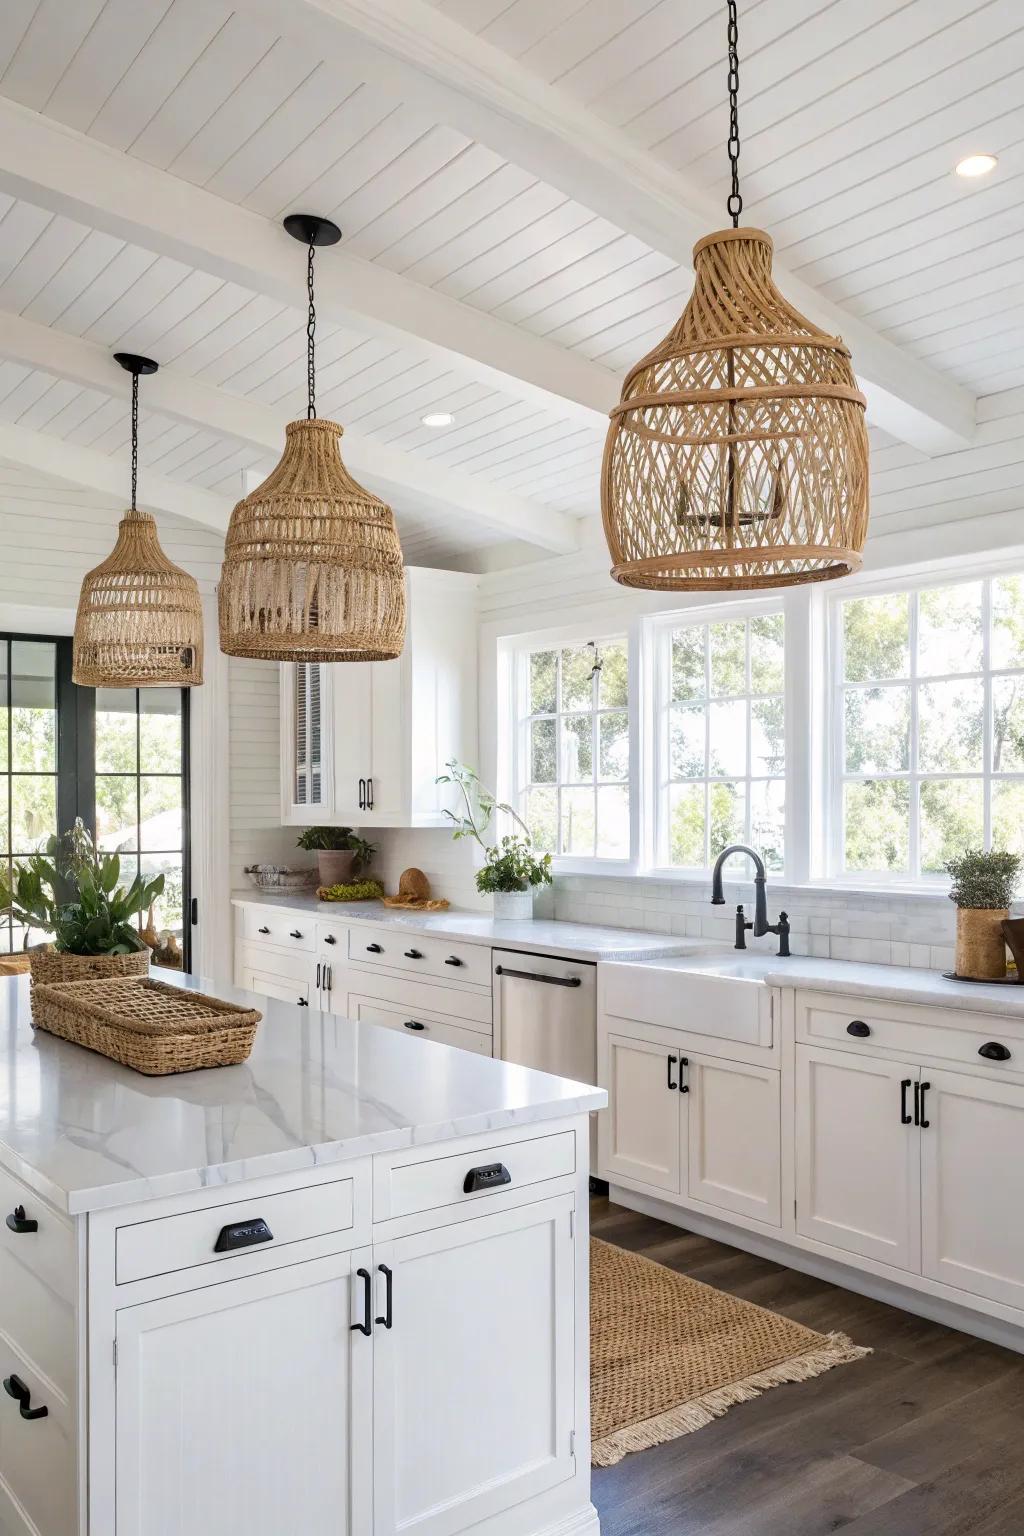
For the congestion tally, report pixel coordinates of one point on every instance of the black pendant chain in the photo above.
(734, 202)
(311, 339)
(135, 437)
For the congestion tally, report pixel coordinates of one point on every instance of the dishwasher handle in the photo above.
(551, 981)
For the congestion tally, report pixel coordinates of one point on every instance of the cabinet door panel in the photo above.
(858, 1167)
(734, 1137)
(473, 1384)
(972, 1186)
(242, 1408)
(265, 984)
(639, 1132)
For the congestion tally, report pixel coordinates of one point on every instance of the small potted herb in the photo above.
(511, 871)
(74, 893)
(340, 853)
(983, 888)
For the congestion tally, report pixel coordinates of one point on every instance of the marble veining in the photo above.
(86, 1133)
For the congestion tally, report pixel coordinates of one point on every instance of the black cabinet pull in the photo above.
(489, 1176)
(242, 1234)
(905, 1117)
(366, 1325)
(923, 1122)
(993, 1051)
(303, 1002)
(386, 1319)
(858, 1029)
(369, 794)
(295, 934)
(328, 977)
(19, 1222)
(414, 954)
(414, 1024)
(454, 960)
(374, 949)
(264, 930)
(318, 975)
(684, 1061)
(551, 981)
(16, 1388)
(330, 939)
(362, 794)
(669, 1064)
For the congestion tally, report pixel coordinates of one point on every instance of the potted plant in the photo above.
(74, 893)
(511, 871)
(340, 853)
(983, 888)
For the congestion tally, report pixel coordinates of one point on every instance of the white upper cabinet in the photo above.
(363, 742)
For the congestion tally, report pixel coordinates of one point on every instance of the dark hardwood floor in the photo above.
(925, 1437)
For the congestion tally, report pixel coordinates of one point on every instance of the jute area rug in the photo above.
(669, 1354)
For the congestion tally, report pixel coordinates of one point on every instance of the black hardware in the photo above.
(490, 1176)
(311, 230)
(761, 925)
(369, 794)
(414, 1024)
(374, 949)
(318, 975)
(388, 1277)
(551, 981)
(741, 928)
(684, 1062)
(734, 202)
(242, 1234)
(16, 1388)
(454, 960)
(670, 1063)
(19, 1222)
(993, 1051)
(295, 934)
(905, 1119)
(330, 939)
(264, 930)
(362, 794)
(782, 929)
(923, 1122)
(328, 977)
(365, 1326)
(303, 1002)
(858, 1029)
(413, 954)
(194, 910)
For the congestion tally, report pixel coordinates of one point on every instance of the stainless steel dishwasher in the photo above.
(545, 1013)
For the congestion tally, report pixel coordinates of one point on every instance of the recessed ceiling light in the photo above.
(976, 165)
(437, 419)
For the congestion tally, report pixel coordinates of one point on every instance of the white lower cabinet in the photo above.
(639, 1132)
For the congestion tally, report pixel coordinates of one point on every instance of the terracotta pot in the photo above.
(980, 946)
(48, 965)
(336, 866)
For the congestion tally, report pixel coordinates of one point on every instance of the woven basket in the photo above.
(147, 1025)
(50, 965)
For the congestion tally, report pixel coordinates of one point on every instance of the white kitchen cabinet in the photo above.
(972, 1185)
(493, 1298)
(363, 742)
(639, 1133)
(268, 984)
(242, 1408)
(733, 1137)
(858, 1160)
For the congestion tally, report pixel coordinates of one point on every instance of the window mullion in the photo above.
(987, 706)
(914, 860)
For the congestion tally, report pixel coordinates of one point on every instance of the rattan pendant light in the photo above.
(312, 563)
(738, 455)
(140, 618)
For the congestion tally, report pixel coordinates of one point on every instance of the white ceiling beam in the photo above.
(414, 50)
(389, 471)
(62, 170)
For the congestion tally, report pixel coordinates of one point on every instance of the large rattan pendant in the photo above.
(738, 455)
(312, 563)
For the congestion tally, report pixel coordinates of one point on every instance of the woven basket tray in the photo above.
(145, 1024)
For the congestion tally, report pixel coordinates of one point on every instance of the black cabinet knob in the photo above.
(16, 1388)
(330, 939)
(993, 1051)
(413, 954)
(454, 960)
(374, 949)
(264, 930)
(295, 934)
(19, 1222)
(414, 1024)
(858, 1029)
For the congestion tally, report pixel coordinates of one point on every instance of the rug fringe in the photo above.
(684, 1418)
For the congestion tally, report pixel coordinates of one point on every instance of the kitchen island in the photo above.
(340, 1289)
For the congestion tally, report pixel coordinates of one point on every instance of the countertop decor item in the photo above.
(738, 454)
(511, 871)
(341, 854)
(312, 564)
(147, 1025)
(278, 877)
(413, 894)
(983, 887)
(140, 618)
(353, 890)
(1013, 933)
(669, 1355)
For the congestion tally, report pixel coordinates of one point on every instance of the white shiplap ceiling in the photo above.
(518, 183)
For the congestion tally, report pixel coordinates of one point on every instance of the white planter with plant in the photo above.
(511, 872)
(983, 888)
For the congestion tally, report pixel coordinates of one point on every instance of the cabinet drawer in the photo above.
(37, 1456)
(169, 1243)
(278, 987)
(332, 939)
(469, 1007)
(38, 1283)
(297, 967)
(440, 1181)
(395, 950)
(910, 1031)
(286, 930)
(418, 1022)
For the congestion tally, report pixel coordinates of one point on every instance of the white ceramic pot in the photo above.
(514, 905)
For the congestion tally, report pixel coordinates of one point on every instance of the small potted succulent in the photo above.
(74, 893)
(340, 853)
(983, 888)
(511, 871)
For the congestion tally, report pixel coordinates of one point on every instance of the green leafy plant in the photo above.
(337, 840)
(478, 804)
(511, 865)
(74, 893)
(984, 880)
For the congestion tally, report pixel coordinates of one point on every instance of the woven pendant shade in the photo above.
(738, 456)
(140, 618)
(312, 563)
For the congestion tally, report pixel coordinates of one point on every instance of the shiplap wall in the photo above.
(257, 836)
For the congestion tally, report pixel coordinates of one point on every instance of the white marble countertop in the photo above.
(88, 1134)
(569, 941)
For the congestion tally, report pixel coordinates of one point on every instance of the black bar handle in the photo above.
(414, 954)
(365, 1326)
(16, 1388)
(993, 1051)
(318, 969)
(905, 1118)
(454, 960)
(264, 930)
(414, 1024)
(670, 1062)
(329, 938)
(242, 1234)
(684, 1062)
(19, 1222)
(328, 977)
(388, 1278)
(374, 949)
(551, 981)
(858, 1029)
(362, 794)
(193, 911)
(924, 1123)
(917, 1103)
(369, 794)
